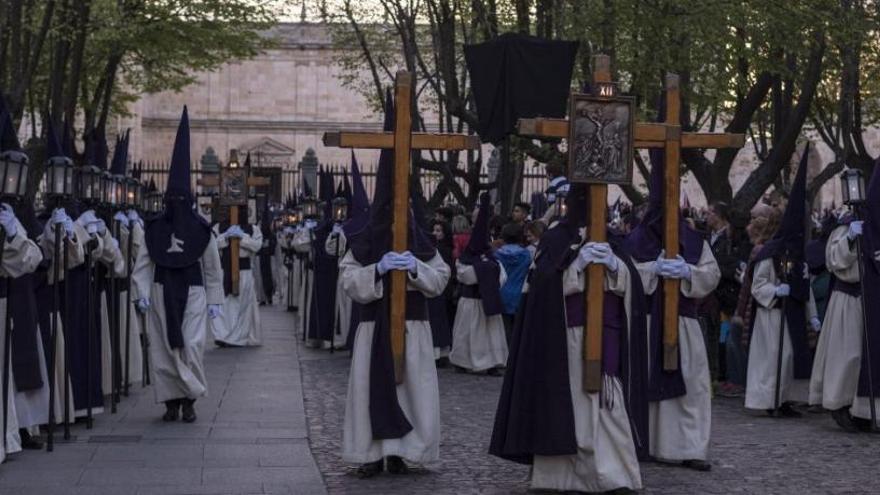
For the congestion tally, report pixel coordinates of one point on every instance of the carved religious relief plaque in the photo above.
(233, 186)
(601, 139)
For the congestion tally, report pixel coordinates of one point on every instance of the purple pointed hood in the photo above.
(359, 206)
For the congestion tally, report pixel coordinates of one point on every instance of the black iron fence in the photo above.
(285, 181)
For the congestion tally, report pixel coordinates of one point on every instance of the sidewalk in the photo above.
(250, 437)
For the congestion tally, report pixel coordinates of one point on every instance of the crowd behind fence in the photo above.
(291, 179)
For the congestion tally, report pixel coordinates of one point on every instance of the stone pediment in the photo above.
(266, 146)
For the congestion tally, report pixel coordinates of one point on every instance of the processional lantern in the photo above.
(109, 190)
(59, 177)
(311, 209)
(90, 184)
(14, 166)
(153, 201)
(133, 192)
(291, 217)
(340, 209)
(853, 187)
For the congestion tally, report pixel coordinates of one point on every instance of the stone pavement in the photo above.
(250, 436)
(750, 453)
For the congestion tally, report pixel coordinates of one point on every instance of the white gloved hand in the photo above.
(584, 258)
(678, 268)
(102, 227)
(815, 324)
(855, 229)
(8, 221)
(337, 228)
(115, 243)
(215, 310)
(68, 227)
(143, 304)
(122, 218)
(288, 231)
(59, 217)
(408, 262)
(234, 231)
(602, 253)
(134, 217)
(387, 263)
(310, 224)
(87, 217)
(92, 228)
(660, 263)
(741, 272)
(783, 290)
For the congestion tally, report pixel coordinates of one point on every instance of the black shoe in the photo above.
(442, 362)
(172, 410)
(786, 410)
(369, 469)
(220, 343)
(459, 369)
(843, 419)
(621, 491)
(495, 372)
(396, 465)
(189, 412)
(863, 425)
(28, 441)
(697, 465)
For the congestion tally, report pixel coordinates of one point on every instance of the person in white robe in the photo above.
(418, 395)
(680, 428)
(131, 238)
(478, 341)
(291, 271)
(836, 368)
(336, 245)
(302, 245)
(240, 323)
(20, 256)
(606, 457)
(761, 385)
(194, 273)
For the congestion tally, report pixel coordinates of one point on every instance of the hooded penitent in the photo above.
(644, 244)
(386, 417)
(358, 220)
(478, 254)
(177, 238)
(535, 415)
(788, 245)
(25, 355)
(267, 251)
(326, 267)
(119, 163)
(870, 247)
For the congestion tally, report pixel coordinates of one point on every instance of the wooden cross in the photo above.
(403, 141)
(234, 182)
(671, 139)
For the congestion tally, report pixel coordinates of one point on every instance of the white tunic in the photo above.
(135, 350)
(20, 256)
(179, 373)
(302, 244)
(418, 395)
(240, 323)
(764, 347)
(110, 255)
(838, 361)
(336, 244)
(680, 427)
(478, 341)
(606, 457)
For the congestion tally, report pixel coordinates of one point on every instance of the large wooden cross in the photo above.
(403, 141)
(671, 139)
(234, 182)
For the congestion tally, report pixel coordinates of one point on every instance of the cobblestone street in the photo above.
(750, 453)
(273, 424)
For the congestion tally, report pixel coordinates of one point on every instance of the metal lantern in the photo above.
(233, 159)
(153, 201)
(59, 177)
(133, 190)
(109, 189)
(90, 184)
(340, 209)
(311, 208)
(14, 167)
(853, 186)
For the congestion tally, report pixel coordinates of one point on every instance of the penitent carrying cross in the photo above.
(403, 141)
(672, 140)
